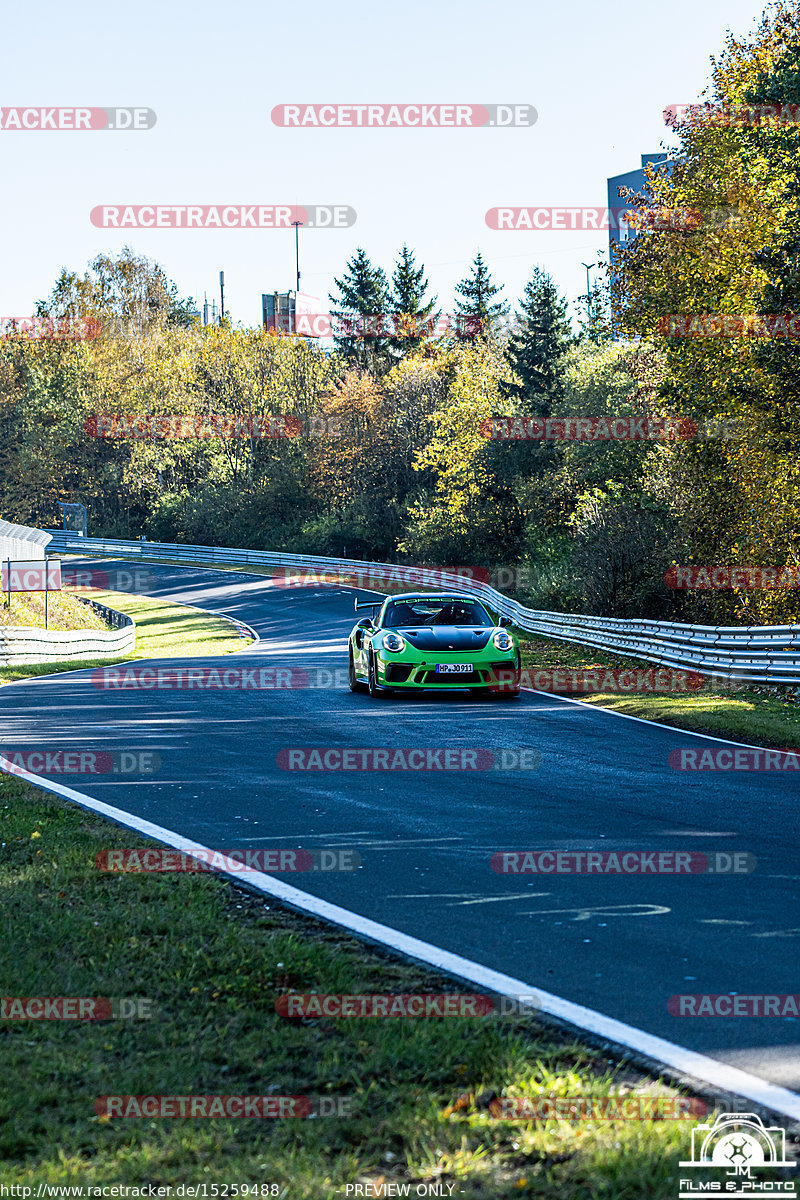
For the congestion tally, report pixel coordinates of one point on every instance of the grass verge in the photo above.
(768, 716)
(212, 958)
(64, 611)
(163, 630)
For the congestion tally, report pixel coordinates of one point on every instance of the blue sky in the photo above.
(599, 76)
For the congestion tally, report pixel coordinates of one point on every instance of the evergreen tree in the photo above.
(537, 349)
(595, 323)
(477, 307)
(411, 311)
(363, 293)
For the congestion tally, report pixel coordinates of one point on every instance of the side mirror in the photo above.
(505, 622)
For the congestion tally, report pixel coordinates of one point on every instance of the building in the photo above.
(281, 312)
(619, 231)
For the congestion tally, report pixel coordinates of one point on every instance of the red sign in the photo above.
(37, 575)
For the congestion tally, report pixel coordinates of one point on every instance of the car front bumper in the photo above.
(496, 674)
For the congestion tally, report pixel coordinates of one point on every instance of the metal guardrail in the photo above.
(734, 653)
(26, 644)
(19, 542)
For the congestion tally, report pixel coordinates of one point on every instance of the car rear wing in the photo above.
(368, 604)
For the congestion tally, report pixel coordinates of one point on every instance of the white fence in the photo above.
(18, 542)
(737, 654)
(24, 644)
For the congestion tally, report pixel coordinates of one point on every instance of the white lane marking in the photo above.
(599, 708)
(680, 1058)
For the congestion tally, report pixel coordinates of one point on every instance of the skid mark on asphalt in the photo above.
(584, 911)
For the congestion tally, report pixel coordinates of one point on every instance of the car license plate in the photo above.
(453, 668)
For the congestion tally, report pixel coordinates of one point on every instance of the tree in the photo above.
(469, 515)
(129, 294)
(538, 346)
(595, 322)
(409, 308)
(363, 293)
(737, 258)
(623, 547)
(477, 305)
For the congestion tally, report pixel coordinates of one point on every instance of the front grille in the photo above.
(397, 673)
(506, 672)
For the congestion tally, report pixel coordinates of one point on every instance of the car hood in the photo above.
(446, 637)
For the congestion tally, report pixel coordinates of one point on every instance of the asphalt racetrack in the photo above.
(620, 944)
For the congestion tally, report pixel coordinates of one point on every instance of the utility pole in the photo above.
(297, 225)
(221, 295)
(589, 296)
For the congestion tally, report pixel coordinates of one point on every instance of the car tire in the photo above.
(372, 680)
(352, 679)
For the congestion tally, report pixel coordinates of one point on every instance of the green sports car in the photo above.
(419, 641)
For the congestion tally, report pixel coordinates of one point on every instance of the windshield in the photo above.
(436, 611)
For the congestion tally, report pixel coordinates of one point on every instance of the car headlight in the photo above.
(394, 643)
(503, 640)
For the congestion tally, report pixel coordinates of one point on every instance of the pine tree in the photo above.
(539, 343)
(363, 293)
(595, 323)
(410, 310)
(477, 309)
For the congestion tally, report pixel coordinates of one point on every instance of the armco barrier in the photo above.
(18, 542)
(24, 644)
(752, 653)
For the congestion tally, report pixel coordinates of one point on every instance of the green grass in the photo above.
(760, 715)
(213, 958)
(163, 630)
(64, 611)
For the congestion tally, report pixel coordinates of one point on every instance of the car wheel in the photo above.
(355, 686)
(372, 678)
